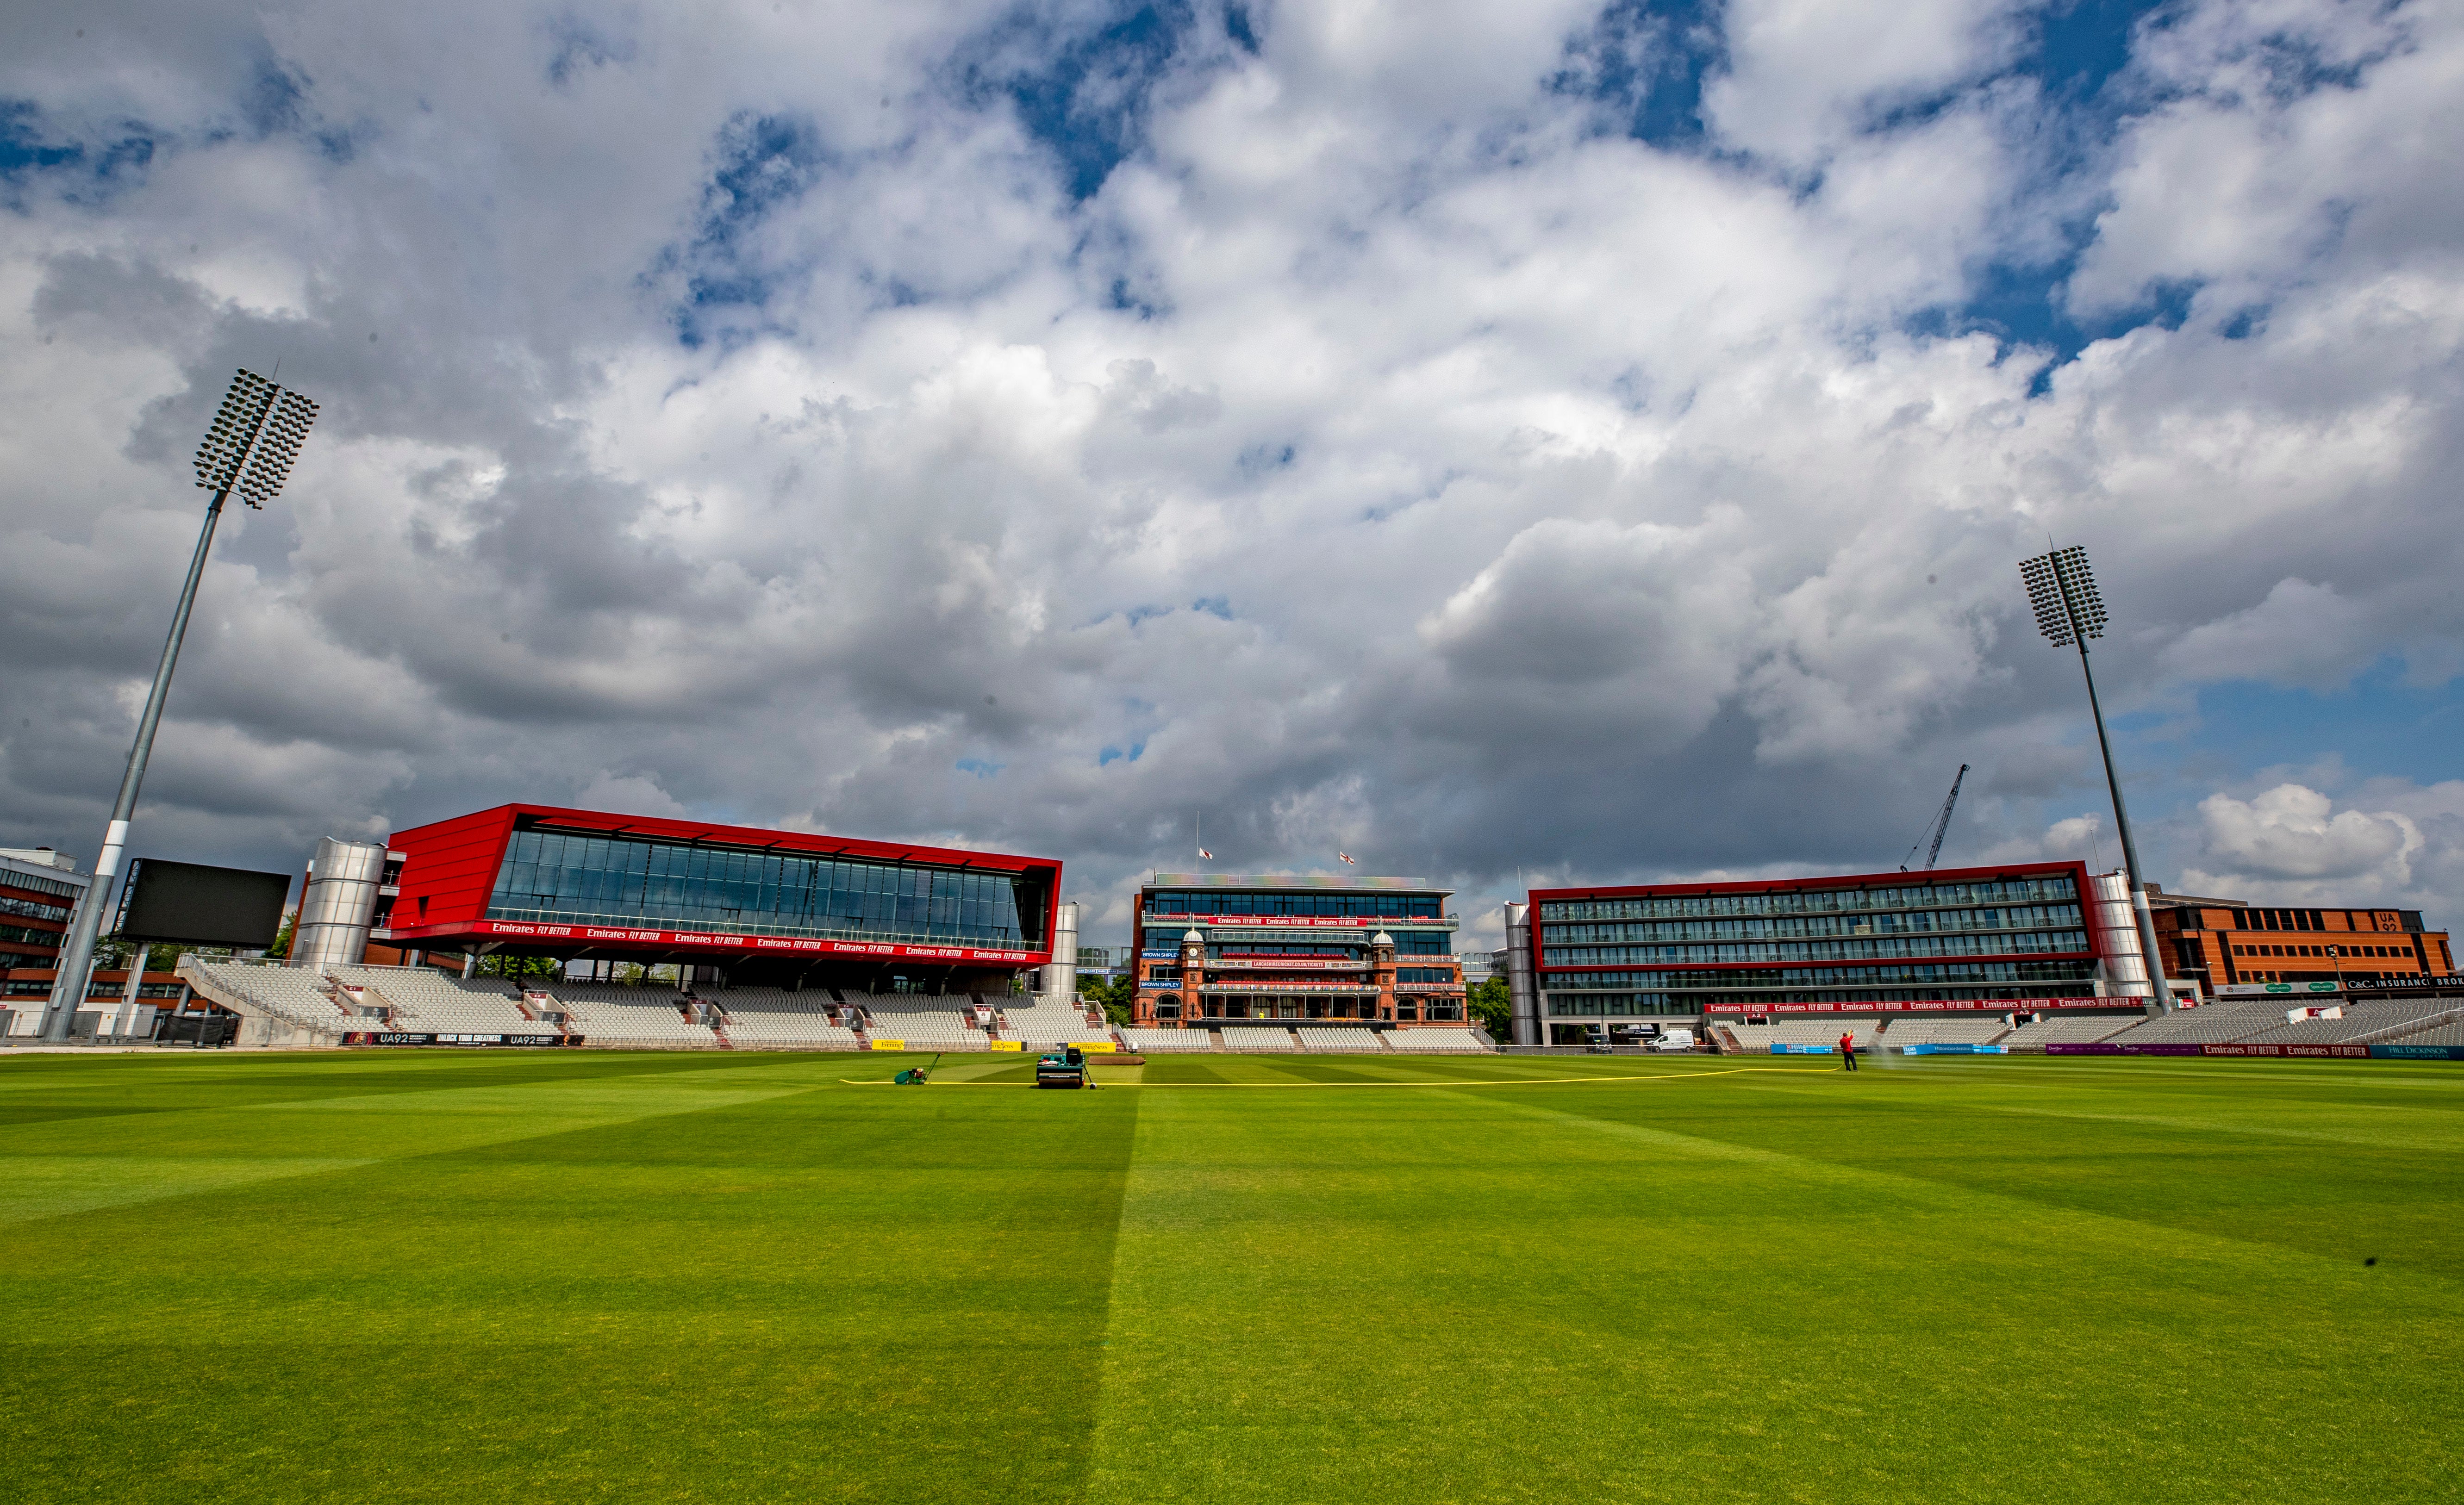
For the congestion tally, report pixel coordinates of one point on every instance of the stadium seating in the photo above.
(2086, 1030)
(291, 994)
(430, 1001)
(2215, 1024)
(646, 1017)
(2448, 1034)
(1253, 1039)
(763, 1017)
(918, 1018)
(1439, 1041)
(1333, 1041)
(2367, 1020)
(1823, 1030)
(757, 1029)
(1754, 1040)
(1904, 1033)
(1165, 1042)
(1050, 1020)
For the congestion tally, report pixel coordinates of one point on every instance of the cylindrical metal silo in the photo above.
(1522, 983)
(339, 904)
(2116, 937)
(1061, 975)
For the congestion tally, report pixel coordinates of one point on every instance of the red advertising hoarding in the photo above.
(1929, 1006)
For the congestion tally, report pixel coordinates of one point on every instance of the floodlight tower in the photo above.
(2069, 611)
(255, 437)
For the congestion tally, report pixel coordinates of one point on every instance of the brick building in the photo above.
(1375, 952)
(2226, 942)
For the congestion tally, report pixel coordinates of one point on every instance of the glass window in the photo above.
(568, 878)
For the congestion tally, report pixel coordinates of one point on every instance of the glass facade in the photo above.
(564, 877)
(1615, 1004)
(1771, 947)
(1911, 922)
(31, 908)
(2005, 944)
(1815, 900)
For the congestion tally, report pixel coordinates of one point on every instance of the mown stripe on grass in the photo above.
(53, 1186)
(2159, 1228)
(1485, 1296)
(67, 1166)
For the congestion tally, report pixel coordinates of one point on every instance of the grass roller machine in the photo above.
(1066, 1067)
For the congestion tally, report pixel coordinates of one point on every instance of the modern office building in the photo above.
(2226, 944)
(1372, 953)
(39, 890)
(788, 909)
(2031, 936)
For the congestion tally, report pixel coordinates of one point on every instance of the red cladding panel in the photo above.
(449, 868)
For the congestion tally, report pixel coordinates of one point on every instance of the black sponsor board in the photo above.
(395, 1037)
(196, 1029)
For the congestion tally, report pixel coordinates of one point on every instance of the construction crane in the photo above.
(1941, 825)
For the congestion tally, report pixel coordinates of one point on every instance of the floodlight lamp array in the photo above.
(2061, 588)
(255, 438)
(285, 430)
(234, 433)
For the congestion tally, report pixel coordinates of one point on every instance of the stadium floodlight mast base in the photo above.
(2061, 589)
(256, 436)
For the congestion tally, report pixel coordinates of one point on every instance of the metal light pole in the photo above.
(2062, 590)
(255, 438)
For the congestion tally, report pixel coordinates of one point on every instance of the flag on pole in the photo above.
(1345, 856)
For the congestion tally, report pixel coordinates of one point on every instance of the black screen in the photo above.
(203, 906)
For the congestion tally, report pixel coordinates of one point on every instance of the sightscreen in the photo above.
(203, 906)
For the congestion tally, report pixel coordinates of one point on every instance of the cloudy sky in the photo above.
(1508, 440)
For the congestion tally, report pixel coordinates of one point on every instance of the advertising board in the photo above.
(402, 1037)
(1926, 1006)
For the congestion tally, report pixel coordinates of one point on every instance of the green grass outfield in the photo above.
(461, 1276)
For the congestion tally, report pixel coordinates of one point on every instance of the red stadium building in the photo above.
(760, 907)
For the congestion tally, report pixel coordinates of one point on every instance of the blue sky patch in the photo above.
(1085, 97)
(1646, 65)
(2380, 724)
(764, 163)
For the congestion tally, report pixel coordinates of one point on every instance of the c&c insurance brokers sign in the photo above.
(709, 940)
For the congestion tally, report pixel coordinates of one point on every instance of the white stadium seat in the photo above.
(1441, 1040)
(1166, 1043)
(1334, 1042)
(1252, 1040)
